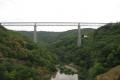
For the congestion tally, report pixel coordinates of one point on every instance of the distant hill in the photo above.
(50, 37)
(42, 36)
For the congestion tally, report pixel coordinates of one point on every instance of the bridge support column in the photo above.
(79, 36)
(35, 34)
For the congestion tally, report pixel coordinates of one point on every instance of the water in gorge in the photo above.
(62, 76)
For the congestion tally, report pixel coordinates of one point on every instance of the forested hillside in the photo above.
(106, 53)
(21, 59)
(66, 44)
(99, 52)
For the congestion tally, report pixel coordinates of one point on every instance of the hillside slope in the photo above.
(66, 44)
(21, 59)
(99, 52)
(112, 74)
(106, 50)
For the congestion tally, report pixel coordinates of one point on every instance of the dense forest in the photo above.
(99, 52)
(22, 59)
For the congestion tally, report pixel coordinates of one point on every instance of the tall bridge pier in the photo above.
(79, 36)
(35, 34)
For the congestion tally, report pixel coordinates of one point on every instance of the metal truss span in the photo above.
(52, 23)
(36, 24)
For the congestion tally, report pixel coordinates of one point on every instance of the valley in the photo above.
(99, 53)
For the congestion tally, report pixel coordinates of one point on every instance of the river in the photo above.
(62, 76)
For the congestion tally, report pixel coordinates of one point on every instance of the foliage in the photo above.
(22, 59)
(99, 52)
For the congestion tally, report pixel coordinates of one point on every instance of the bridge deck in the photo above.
(35, 24)
(51, 23)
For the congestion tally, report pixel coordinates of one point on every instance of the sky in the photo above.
(58, 11)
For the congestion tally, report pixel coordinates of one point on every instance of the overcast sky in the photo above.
(59, 11)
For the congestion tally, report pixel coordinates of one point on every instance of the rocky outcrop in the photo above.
(113, 74)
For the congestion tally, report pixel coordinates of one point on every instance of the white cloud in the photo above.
(60, 10)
